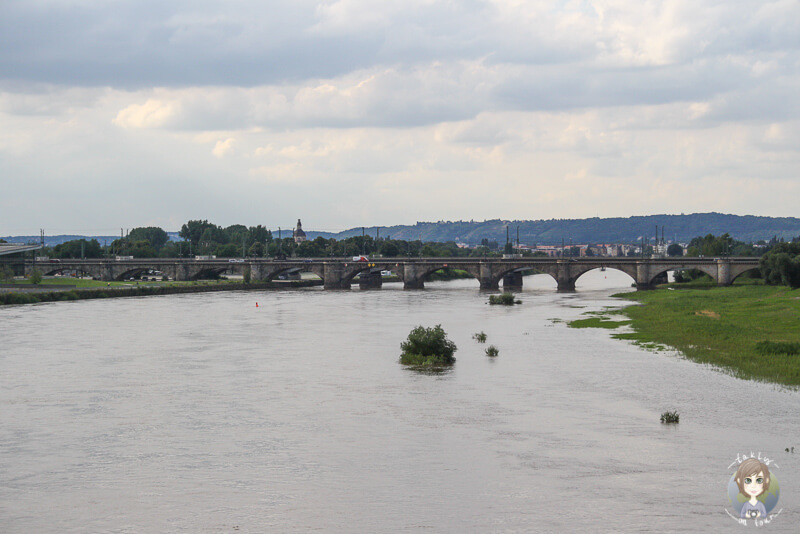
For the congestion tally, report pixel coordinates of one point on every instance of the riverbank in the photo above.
(31, 294)
(749, 331)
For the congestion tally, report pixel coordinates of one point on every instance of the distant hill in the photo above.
(680, 228)
(53, 240)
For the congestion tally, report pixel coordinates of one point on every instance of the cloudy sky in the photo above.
(125, 113)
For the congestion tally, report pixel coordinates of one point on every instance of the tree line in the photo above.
(779, 262)
(202, 238)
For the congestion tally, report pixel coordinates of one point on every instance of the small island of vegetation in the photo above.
(427, 347)
(504, 299)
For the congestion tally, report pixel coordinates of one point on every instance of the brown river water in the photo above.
(204, 413)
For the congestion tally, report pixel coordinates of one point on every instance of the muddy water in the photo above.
(205, 413)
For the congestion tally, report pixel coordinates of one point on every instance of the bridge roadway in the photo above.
(338, 273)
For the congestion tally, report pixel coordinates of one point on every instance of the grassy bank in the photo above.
(725, 327)
(129, 290)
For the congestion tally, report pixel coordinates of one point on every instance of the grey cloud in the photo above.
(534, 59)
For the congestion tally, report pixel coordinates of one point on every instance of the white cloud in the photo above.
(223, 147)
(152, 114)
(423, 109)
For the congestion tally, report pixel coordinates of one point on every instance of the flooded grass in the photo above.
(598, 322)
(751, 331)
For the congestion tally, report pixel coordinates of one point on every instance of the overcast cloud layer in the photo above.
(363, 112)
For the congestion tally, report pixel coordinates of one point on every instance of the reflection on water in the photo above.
(205, 413)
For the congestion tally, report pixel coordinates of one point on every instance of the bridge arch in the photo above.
(739, 270)
(54, 270)
(414, 276)
(654, 273)
(631, 272)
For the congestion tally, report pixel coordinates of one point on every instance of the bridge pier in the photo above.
(566, 283)
(487, 279)
(181, 272)
(333, 277)
(411, 278)
(370, 280)
(107, 272)
(257, 271)
(566, 286)
(512, 280)
(724, 273)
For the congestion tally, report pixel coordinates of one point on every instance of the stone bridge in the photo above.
(339, 273)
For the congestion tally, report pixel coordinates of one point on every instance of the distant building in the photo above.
(298, 234)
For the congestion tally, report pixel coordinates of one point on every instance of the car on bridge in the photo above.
(360, 258)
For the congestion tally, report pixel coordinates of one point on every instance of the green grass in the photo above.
(99, 290)
(87, 283)
(597, 322)
(723, 326)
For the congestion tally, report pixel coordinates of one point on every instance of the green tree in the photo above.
(427, 346)
(312, 249)
(724, 245)
(230, 250)
(141, 249)
(389, 249)
(260, 234)
(193, 230)
(674, 250)
(781, 265)
(78, 248)
(152, 234)
(257, 249)
(36, 277)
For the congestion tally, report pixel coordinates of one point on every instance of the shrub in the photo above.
(506, 299)
(670, 417)
(246, 275)
(480, 337)
(6, 274)
(19, 298)
(781, 265)
(427, 347)
(778, 347)
(36, 277)
(492, 351)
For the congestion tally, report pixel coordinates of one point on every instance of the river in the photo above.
(207, 413)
